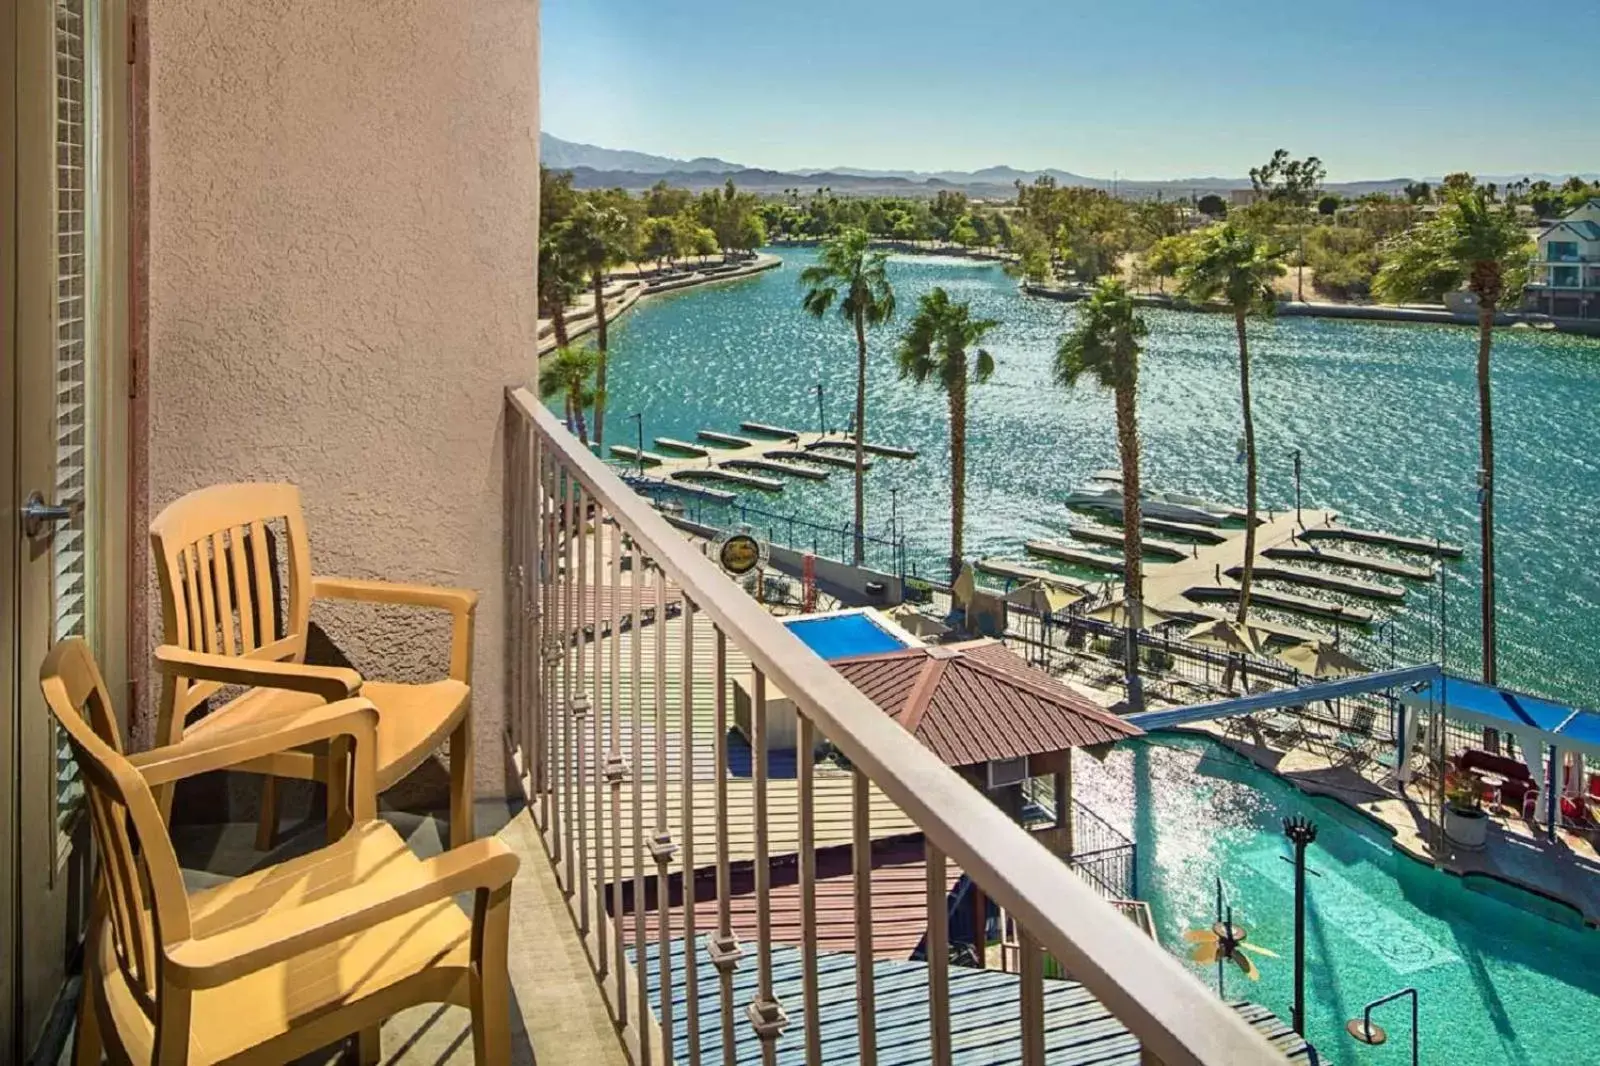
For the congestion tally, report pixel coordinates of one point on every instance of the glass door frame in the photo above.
(41, 876)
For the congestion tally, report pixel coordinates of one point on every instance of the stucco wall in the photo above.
(342, 225)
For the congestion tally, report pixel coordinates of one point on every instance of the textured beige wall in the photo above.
(342, 224)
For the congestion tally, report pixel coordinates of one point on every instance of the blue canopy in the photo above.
(1561, 724)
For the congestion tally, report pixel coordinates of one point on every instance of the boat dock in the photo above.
(1204, 534)
(891, 451)
(727, 440)
(683, 488)
(764, 430)
(843, 462)
(1378, 564)
(1113, 536)
(772, 466)
(1333, 612)
(1276, 630)
(669, 443)
(1018, 572)
(1382, 540)
(1299, 575)
(634, 455)
(1063, 553)
(732, 477)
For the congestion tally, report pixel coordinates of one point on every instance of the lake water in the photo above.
(1385, 417)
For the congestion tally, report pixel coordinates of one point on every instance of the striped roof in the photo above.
(973, 702)
(985, 1014)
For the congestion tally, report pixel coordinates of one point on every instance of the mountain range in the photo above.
(594, 167)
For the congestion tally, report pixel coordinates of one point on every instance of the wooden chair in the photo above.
(291, 958)
(220, 609)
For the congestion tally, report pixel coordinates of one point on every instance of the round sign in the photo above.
(740, 554)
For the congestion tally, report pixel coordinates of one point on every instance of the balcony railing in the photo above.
(667, 831)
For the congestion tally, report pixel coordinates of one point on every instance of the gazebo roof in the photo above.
(972, 702)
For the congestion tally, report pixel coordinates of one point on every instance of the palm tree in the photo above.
(600, 239)
(935, 347)
(568, 374)
(855, 280)
(560, 278)
(1469, 241)
(1237, 265)
(1105, 346)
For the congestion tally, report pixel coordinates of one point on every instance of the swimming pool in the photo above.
(837, 636)
(1499, 981)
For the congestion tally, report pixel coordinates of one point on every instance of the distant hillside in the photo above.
(570, 155)
(599, 168)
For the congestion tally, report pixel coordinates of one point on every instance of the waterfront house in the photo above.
(1564, 277)
(294, 242)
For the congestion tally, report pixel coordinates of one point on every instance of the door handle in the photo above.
(36, 514)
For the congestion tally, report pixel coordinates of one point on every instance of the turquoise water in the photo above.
(1385, 416)
(842, 635)
(1498, 983)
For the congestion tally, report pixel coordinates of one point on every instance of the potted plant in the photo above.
(1466, 823)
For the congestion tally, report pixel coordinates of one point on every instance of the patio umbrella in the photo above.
(1117, 615)
(919, 624)
(1042, 599)
(1230, 635)
(965, 584)
(1321, 658)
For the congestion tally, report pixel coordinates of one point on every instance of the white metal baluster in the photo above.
(563, 711)
(1032, 979)
(602, 766)
(641, 942)
(541, 624)
(691, 972)
(578, 711)
(938, 956)
(765, 1012)
(662, 846)
(861, 854)
(724, 951)
(616, 773)
(806, 770)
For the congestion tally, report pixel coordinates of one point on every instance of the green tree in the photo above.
(601, 237)
(1469, 240)
(662, 239)
(1104, 346)
(1419, 192)
(936, 347)
(1328, 206)
(1293, 181)
(568, 373)
(560, 277)
(1212, 206)
(557, 200)
(1237, 266)
(855, 280)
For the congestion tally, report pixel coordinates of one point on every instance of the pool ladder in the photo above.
(1363, 1029)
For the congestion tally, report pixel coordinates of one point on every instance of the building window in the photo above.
(1564, 277)
(1562, 250)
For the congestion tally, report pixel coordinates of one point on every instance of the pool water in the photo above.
(1503, 977)
(841, 635)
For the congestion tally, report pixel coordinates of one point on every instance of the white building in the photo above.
(1565, 276)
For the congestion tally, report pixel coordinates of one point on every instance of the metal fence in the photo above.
(621, 744)
(1103, 856)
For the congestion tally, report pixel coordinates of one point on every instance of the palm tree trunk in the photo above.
(861, 437)
(1248, 570)
(600, 368)
(558, 321)
(1132, 539)
(958, 473)
(575, 418)
(1486, 489)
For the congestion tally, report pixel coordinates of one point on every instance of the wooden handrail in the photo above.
(1176, 1019)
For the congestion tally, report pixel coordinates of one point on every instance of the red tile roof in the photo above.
(973, 702)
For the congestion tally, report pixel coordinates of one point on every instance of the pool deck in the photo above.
(1566, 869)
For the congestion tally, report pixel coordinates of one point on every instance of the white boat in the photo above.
(1153, 506)
(1113, 479)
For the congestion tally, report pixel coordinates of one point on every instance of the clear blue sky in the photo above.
(1147, 88)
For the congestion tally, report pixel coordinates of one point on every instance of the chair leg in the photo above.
(462, 784)
(339, 817)
(267, 824)
(490, 983)
(369, 1048)
(86, 1043)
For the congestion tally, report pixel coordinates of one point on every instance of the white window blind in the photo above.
(71, 546)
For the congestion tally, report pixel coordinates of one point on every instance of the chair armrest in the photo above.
(329, 682)
(486, 864)
(461, 603)
(219, 750)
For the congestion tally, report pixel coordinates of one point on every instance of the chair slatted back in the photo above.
(220, 590)
(140, 881)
